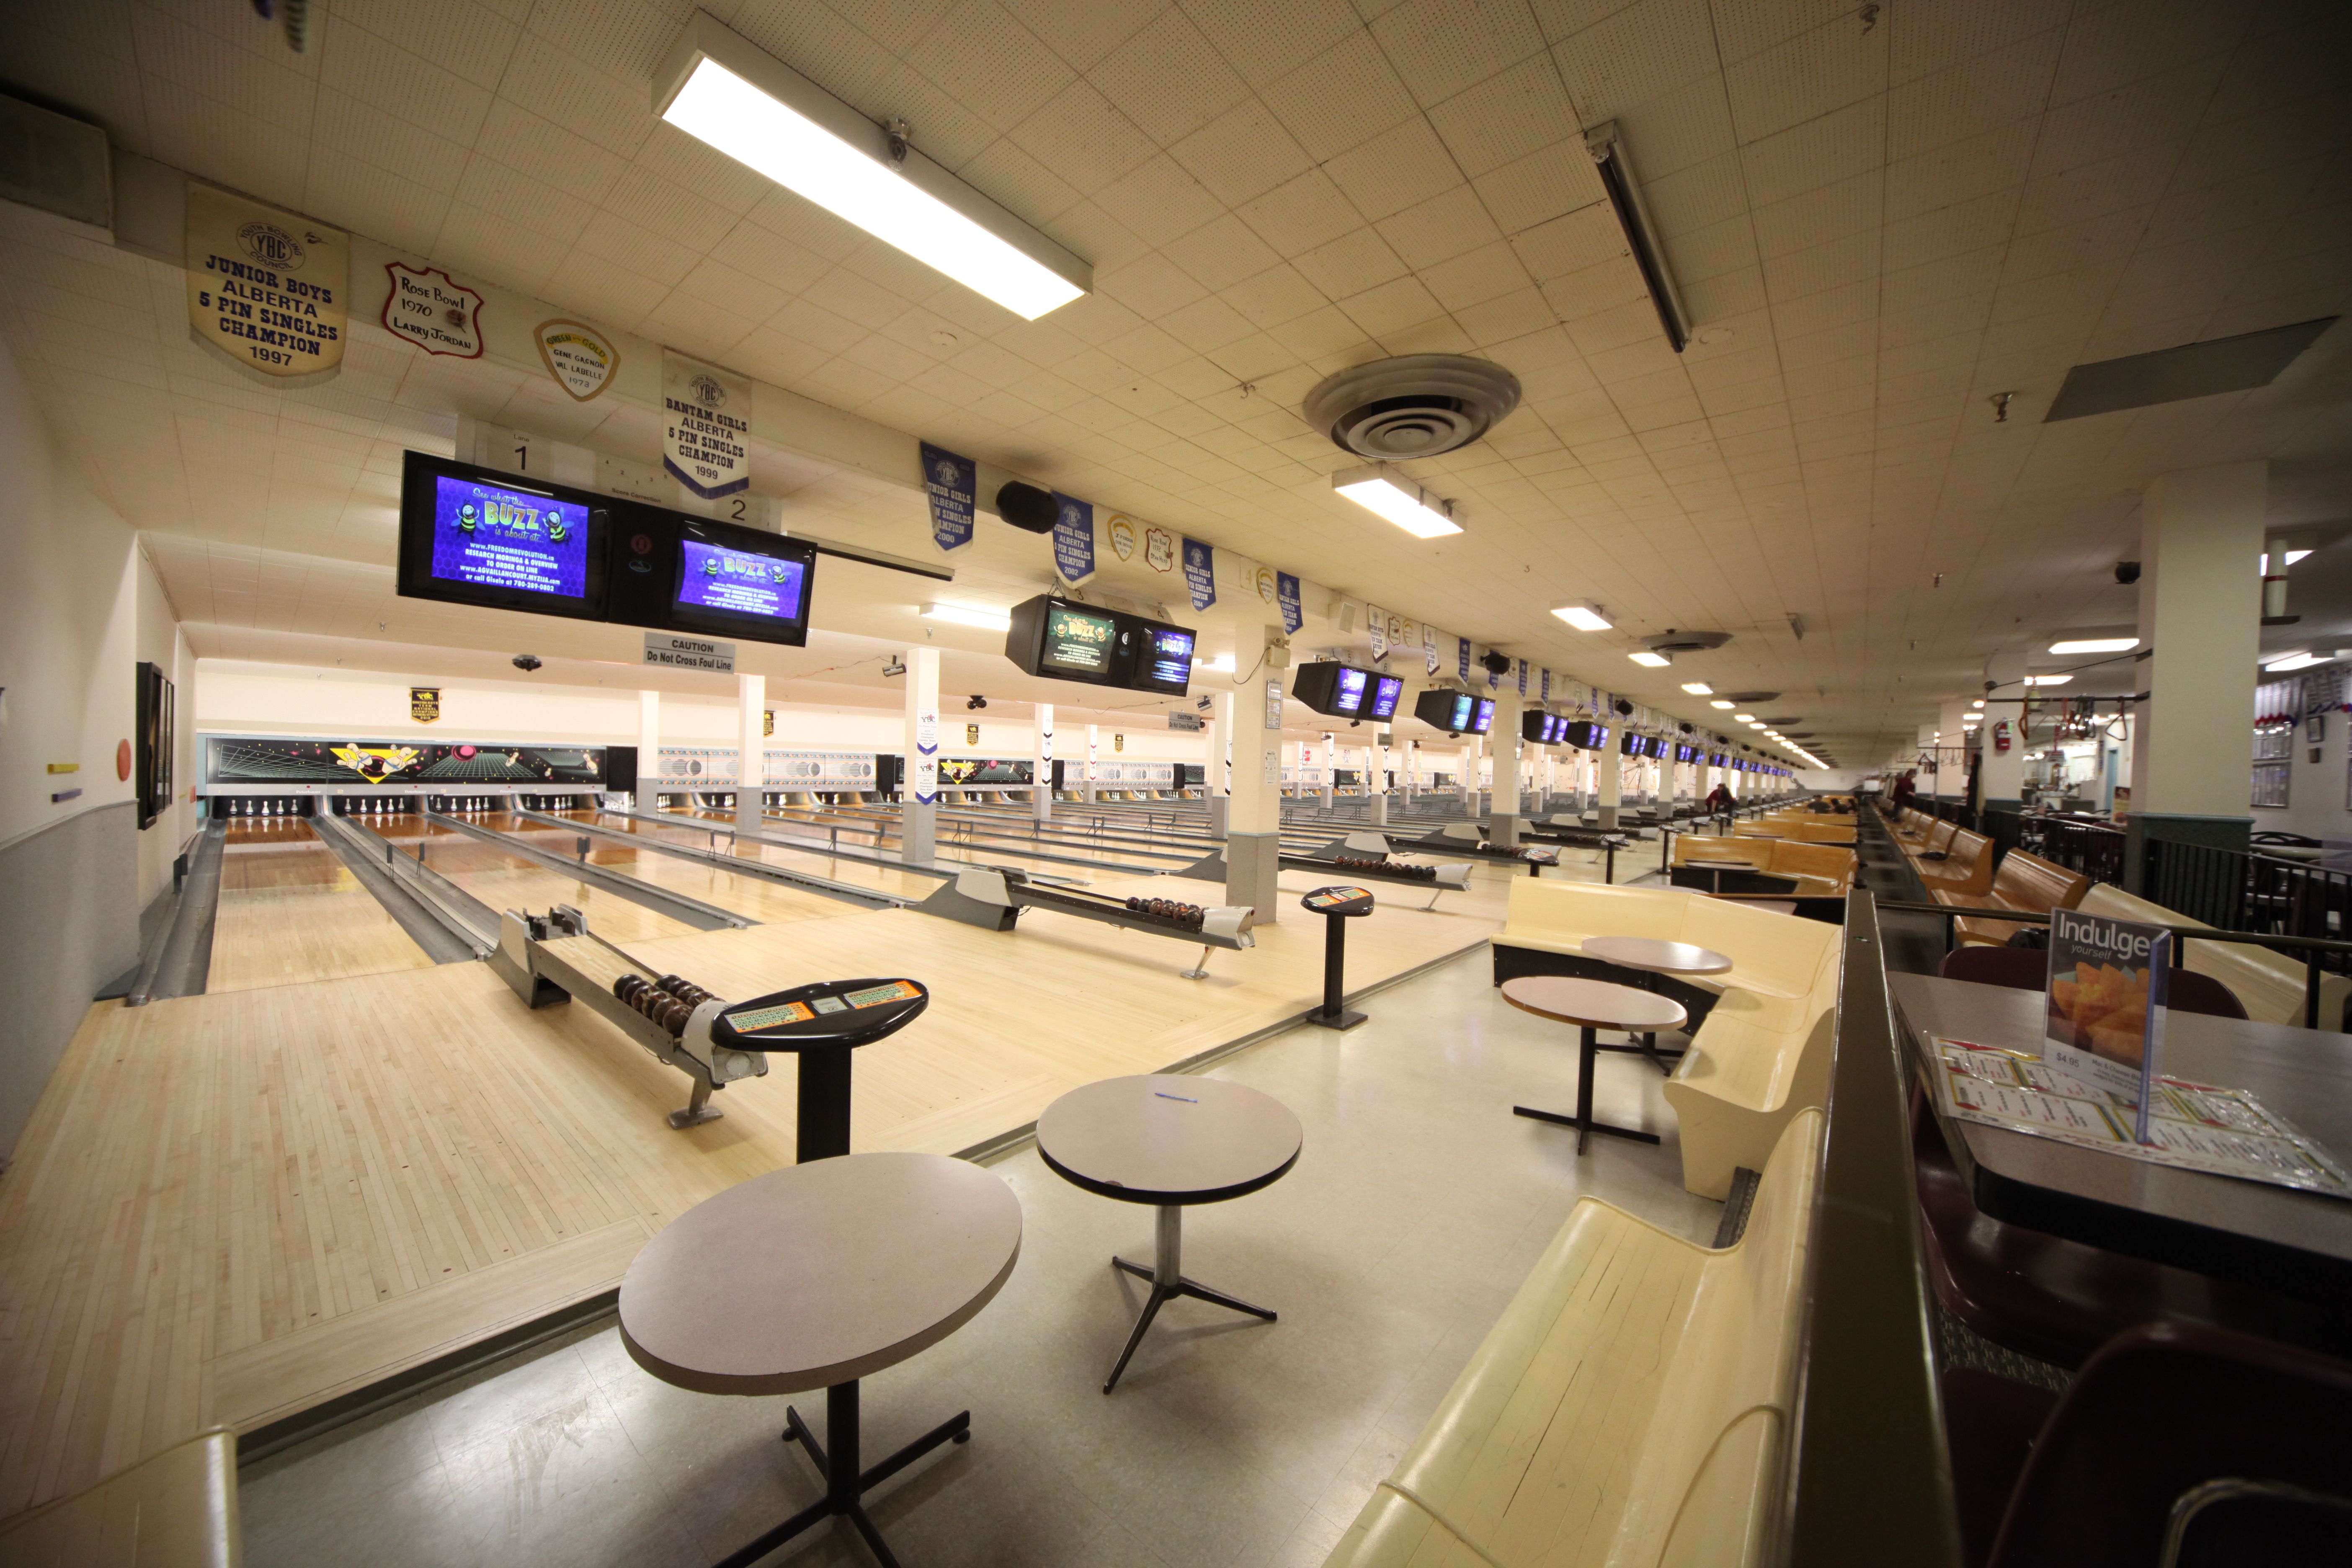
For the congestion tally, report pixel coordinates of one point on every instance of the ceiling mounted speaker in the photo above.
(1026, 506)
(1673, 641)
(1494, 663)
(1415, 407)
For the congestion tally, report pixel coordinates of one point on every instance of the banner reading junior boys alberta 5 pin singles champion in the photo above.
(267, 290)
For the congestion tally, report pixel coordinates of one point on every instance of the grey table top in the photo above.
(1168, 1138)
(1594, 1004)
(818, 1274)
(2295, 1241)
(1655, 956)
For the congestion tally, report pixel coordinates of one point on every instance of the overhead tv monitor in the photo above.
(471, 535)
(742, 582)
(1346, 691)
(1484, 720)
(1063, 639)
(1585, 734)
(1160, 656)
(1386, 690)
(1451, 711)
(1541, 728)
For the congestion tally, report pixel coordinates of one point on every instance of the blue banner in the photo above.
(1464, 643)
(1201, 573)
(1286, 594)
(1523, 677)
(1547, 685)
(953, 484)
(1074, 539)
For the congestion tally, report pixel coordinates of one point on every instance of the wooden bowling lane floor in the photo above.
(229, 1208)
(291, 910)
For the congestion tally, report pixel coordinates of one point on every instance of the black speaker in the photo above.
(1494, 663)
(1026, 507)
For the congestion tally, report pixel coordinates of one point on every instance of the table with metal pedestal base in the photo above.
(1649, 957)
(1169, 1139)
(1591, 1006)
(813, 1277)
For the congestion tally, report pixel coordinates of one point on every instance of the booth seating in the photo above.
(176, 1509)
(1819, 870)
(1806, 828)
(1918, 830)
(1630, 1405)
(2270, 985)
(2024, 882)
(1965, 873)
(1760, 1050)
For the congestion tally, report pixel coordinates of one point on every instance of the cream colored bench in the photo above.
(2024, 882)
(2269, 984)
(177, 1510)
(1965, 872)
(1631, 1406)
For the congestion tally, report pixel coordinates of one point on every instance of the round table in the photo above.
(1650, 957)
(1591, 1006)
(812, 1277)
(1169, 1139)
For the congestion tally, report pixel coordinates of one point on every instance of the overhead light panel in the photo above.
(1719, 702)
(2047, 680)
(721, 89)
(1606, 143)
(1584, 617)
(1698, 687)
(970, 615)
(1744, 718)
(1654, 660)
(2295, 662)
(2095, 645)
(1398, 498)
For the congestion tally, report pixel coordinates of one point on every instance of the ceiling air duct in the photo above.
(1415, 407)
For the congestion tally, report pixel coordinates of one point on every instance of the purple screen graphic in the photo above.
(739, 582)
(1385, 695)
(496, 538)
(1349, 698)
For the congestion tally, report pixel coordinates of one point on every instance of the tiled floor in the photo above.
(1417, 1206)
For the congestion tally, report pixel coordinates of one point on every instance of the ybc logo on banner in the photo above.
(434, 310)
(1465, 656)
(1286, 593)
(579, 358)
(267, 290)
(1074, 539)
(953, 484)
(425, 703)
(1201, 573)
(706, 427)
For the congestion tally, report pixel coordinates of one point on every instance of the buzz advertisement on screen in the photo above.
(2104, 1019)
(739, 582)
(492, 537)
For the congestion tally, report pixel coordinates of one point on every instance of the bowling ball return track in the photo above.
(993, 897)
(1362, 855)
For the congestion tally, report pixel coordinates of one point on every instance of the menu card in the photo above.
(2190, 1126)
(2104, 1022)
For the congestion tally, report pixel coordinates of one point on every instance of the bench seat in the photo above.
(1629, 1407)
(1966, 869)
(176, 1509)
(2269, 984)
(2024, 882)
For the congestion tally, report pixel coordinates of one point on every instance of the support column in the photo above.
(1612, 781)
(2200, 619)
(1094, 751)
(1330, 768)
(1511, 797)
(649, 785)
(1376, 777)
(918, 795)
(1219, 770)
(1254, 821)
(1411, 770)
(1473, 753)
(1041, 767)
(752, 749)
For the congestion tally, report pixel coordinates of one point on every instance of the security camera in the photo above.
(976, 703)
(896, 667)
(526, 662)
(2128, 572)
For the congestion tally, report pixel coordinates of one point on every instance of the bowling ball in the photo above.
(465, 751)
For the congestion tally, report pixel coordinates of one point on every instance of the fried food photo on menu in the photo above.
(2102, 1009)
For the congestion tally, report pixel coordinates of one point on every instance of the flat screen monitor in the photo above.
(1386, 690)
(1347, 691)
(1484, 720)
(1078, 643)
(1539, 728)
(474, 536)
(742, 582)
(1585, 734)
(1163, 658)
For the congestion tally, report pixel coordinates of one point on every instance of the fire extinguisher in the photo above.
(2001, 735)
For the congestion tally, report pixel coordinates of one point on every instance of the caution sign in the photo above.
(267, 290)
(425, 703)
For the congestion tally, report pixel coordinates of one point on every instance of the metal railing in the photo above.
(2094, 849)
(2250, 892)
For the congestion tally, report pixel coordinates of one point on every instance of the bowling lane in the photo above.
(693, 831)
(291, 911)
(879, 836)
(999, 843)
(755, 897)
(506, 881)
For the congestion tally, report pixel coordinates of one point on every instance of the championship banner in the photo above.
(953, 484)
(425, 703)
(579, 358)
(1465, 645)
(706, 427)
(1074, 539)
(1286, 594)
(1523, 677)
(1376, 628)
(1120, 529)
(1201, 573)
(1429, 647)
(266, 290)
(1546, 687)
(433, 311)
(923, 767)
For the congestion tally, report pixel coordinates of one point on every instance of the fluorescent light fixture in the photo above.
(1978, 703)
(719, 88)
(1755, 723)
(1606, 143)
(1654, 660)
(970, 615)
(1584, 617)
(1698, 687)
(2295, 662)
(1222, 664)
(2097, 644)
(2046, 680)
(1381, 490)
(1744, 718)
(1719, 702)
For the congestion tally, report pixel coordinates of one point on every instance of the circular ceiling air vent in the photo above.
(1673, 641)
(1415, 407)
(1751, 695)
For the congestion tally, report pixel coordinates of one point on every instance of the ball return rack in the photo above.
(993, 898)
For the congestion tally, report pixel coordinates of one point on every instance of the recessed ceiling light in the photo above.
(1697, 687)
(970, 615)
(1719, 702)
(1654, 660)
(1744, 718)
(1978, 703)
(2095, 645)
(1399, 499)
(1584, 617)
(721, 89)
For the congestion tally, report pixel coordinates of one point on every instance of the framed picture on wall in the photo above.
(2270, 784)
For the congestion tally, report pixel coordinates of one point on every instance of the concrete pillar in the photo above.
(1510, 786)
(1472, 754)
(918, 795)
(2001, 776)
(1219, 771)
(1331, 767)
(1094, 754)
(752, 749)
(1041, 767)
(1411, 770)
(2200, 619)
(1612, 780)
(1253, 815)
(648, 785)
(1377, 777)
